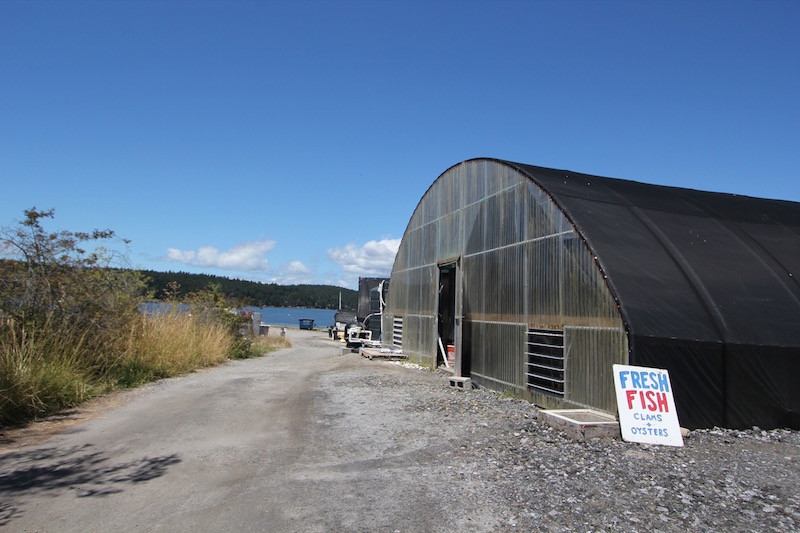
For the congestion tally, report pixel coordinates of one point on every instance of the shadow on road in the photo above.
(8, 513)
(79, 468)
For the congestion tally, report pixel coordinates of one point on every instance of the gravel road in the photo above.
(310, 440)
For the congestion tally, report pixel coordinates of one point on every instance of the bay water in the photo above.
(290, 316)
(273, 316)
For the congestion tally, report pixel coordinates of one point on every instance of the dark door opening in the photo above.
(447, 314)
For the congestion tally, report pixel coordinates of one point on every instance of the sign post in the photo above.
(646, 406)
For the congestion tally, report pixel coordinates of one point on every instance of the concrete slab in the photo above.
(382, 353)
(582, 424)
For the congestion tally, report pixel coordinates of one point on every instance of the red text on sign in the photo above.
(648, 400)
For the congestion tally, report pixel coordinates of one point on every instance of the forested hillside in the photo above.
(254, 293)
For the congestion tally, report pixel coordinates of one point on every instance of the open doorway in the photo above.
(447, 318)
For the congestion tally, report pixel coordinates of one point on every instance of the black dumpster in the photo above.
(306, 323)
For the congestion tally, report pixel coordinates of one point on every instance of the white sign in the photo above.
(646, 406)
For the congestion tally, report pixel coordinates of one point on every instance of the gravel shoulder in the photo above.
(310, 440)
(493, 453)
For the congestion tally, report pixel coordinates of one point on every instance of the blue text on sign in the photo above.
(644, 380)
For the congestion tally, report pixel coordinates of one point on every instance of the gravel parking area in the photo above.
(495, 454)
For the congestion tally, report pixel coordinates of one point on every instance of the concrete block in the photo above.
(460, 383)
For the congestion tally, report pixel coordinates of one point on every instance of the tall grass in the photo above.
(41, 372)
(166, 345)
(49, 368)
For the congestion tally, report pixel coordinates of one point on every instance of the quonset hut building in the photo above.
(542, 279)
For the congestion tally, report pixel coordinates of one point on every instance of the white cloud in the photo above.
(297, 267)
(179, 256)
(249, 256)
(294, 273)
(374, 258)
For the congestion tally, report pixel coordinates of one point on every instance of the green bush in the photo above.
(70, 325)
(62, 308)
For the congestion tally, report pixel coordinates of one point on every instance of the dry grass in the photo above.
(266, 344)
(51, 368)
(41, 372)
(160, 346)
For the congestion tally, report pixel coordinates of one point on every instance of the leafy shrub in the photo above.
(62, 308)
(71, 328)
(52, 278)
(215, 307)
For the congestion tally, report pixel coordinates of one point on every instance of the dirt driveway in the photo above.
(296, 441)
(310, 440)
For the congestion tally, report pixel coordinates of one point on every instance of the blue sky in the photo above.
(290, 141)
